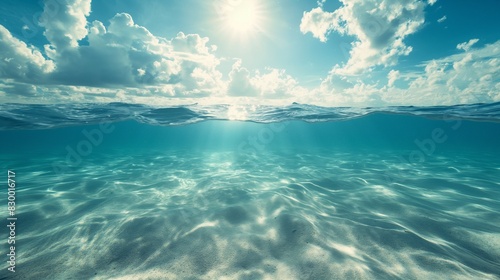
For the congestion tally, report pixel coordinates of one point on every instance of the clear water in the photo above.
(299, 192)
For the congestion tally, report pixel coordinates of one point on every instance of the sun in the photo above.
(242, 17)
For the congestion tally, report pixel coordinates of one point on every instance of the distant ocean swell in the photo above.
(26, 116)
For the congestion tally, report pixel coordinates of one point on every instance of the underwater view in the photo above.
(120, 191)
(250, 140)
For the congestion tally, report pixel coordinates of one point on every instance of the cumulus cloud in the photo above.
(451, 83)
(317, 22)
(468, 77)
(127, 54)
(121, 54)
(122, 61)
(338, 90)
(467, 45)
(473, 76)
(65, 22)
(277, 84)
(240, 83)
(379, 27)
(392, 77)
(20, 61)
(272, 84)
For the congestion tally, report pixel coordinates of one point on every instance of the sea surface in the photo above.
(123, 191)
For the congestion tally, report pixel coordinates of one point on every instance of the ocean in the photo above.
(124, 191)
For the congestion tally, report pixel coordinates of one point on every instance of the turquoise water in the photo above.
(119, 191)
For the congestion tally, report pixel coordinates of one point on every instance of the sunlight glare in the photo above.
(237, 113)
(243, 17)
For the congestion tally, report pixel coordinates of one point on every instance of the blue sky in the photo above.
(334, 53)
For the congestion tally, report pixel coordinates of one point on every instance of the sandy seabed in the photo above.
(221, 215)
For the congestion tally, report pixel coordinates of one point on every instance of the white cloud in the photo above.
(181, 66)
(122, 54)
(442, 19)
(239, 81)
(65, 22)
(467, 45)
(338, 90)
(320, 2)
(125, 62)
(318, 22)
(432, 2)
(380, 28)
(468, 77)
(20, 61)
(392, 77)
(273, 84)
(277, 84)
(128, 54)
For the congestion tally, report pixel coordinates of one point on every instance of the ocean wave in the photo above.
(37, 116)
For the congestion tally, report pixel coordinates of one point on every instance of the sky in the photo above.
(275, 52)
